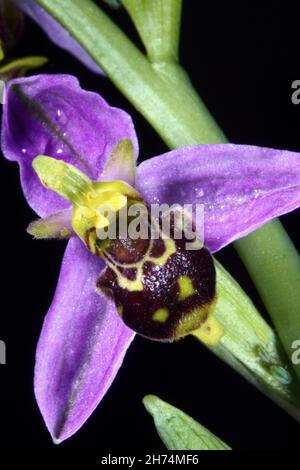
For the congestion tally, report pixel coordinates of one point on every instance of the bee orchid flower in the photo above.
(85, 151)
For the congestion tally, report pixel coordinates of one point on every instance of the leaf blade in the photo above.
(179, 431)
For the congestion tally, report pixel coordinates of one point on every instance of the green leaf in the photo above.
(179, 431)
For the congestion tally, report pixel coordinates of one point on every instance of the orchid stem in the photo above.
(273, 263)
(161, 90)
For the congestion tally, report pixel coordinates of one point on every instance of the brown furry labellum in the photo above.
(162, 290)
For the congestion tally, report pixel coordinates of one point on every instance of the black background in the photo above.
(242, 58)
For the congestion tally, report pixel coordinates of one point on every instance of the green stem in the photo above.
(158, 24)
(163, 93)
(177, 114)
(273, 262)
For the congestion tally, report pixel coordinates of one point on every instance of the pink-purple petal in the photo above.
(82, 346)
(56, 33)
(54, 116)
(242, 187)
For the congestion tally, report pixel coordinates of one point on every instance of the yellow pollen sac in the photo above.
(161, 315)
(98, 210)
(186, 288)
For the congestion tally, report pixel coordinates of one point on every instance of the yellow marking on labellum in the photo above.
(170, 249)
(195, 244)
(136, 285)
(210, 332)
(192, 321)
(186, 288)
(161, 315)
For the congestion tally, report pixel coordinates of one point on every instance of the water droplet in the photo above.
(281, 374)
(199, 192)
(61, 117)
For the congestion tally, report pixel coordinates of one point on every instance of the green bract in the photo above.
(178, 430)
